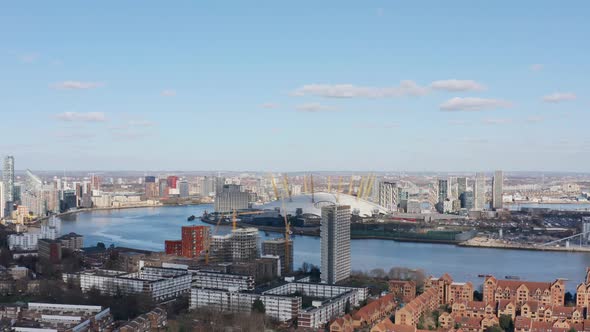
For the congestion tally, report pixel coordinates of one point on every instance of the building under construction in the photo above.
(244, 244)
(278, 247)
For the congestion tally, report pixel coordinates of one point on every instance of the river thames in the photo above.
(147, 228)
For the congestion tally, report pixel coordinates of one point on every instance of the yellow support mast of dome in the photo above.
(274, 186)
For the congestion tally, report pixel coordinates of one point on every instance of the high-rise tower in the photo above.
(335, 243)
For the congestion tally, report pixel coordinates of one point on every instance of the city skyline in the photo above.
(273, 87)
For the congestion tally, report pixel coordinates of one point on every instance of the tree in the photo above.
(569, 299)
(572, 330)
(506, 323)
(494, 328)
(435, 316)
(101, 245)
(258, 306)
(477, 296)
(347, 307)
(315, 273)
(378, 273)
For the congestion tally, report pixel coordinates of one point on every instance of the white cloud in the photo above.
(141, 123)
(168, 93)
(314, 107)
(535, 119)
(81, 117)
(270, 105)
(405, 88)
(457, 85)
(473, 104)
(390, 125)
(537, 67)
(558, 97)
(475, 140)
(66, 135)
(29, 58)
(496, 121)
(76, 85)
(458, 122)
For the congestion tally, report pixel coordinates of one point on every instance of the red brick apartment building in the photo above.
(193, 243)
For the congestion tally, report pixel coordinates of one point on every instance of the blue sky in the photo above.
(300, 85)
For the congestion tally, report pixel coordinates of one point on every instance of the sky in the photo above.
(295, 85)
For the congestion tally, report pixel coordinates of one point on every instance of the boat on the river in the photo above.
(512, 277)
(191, 218)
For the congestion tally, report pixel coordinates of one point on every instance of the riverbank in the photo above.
(481, 242)
(116, 208)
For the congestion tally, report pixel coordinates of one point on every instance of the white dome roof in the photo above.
(303, 201)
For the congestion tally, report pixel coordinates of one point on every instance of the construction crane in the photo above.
(350, 185)
(287, 235)
(339, 189)
(274, 186)
(329, 183)
(208, 241)
(305, 184)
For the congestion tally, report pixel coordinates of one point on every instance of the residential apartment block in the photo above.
(449, 291)
(426, 302)
(158, 283)
(546, 293)
(403, 290)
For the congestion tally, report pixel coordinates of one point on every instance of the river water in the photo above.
(147, 228)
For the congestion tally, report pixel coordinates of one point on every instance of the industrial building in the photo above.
(335, 243)
(231, 198)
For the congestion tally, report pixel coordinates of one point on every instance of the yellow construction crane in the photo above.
(329, 184)
(274, 186)
(339, 189)
(208, 241)
(305, 184)
(287, 236)
(350, 184)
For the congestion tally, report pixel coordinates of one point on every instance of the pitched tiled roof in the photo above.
(468, 322)
(522, 323)
(531, 285)
(503, 303)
